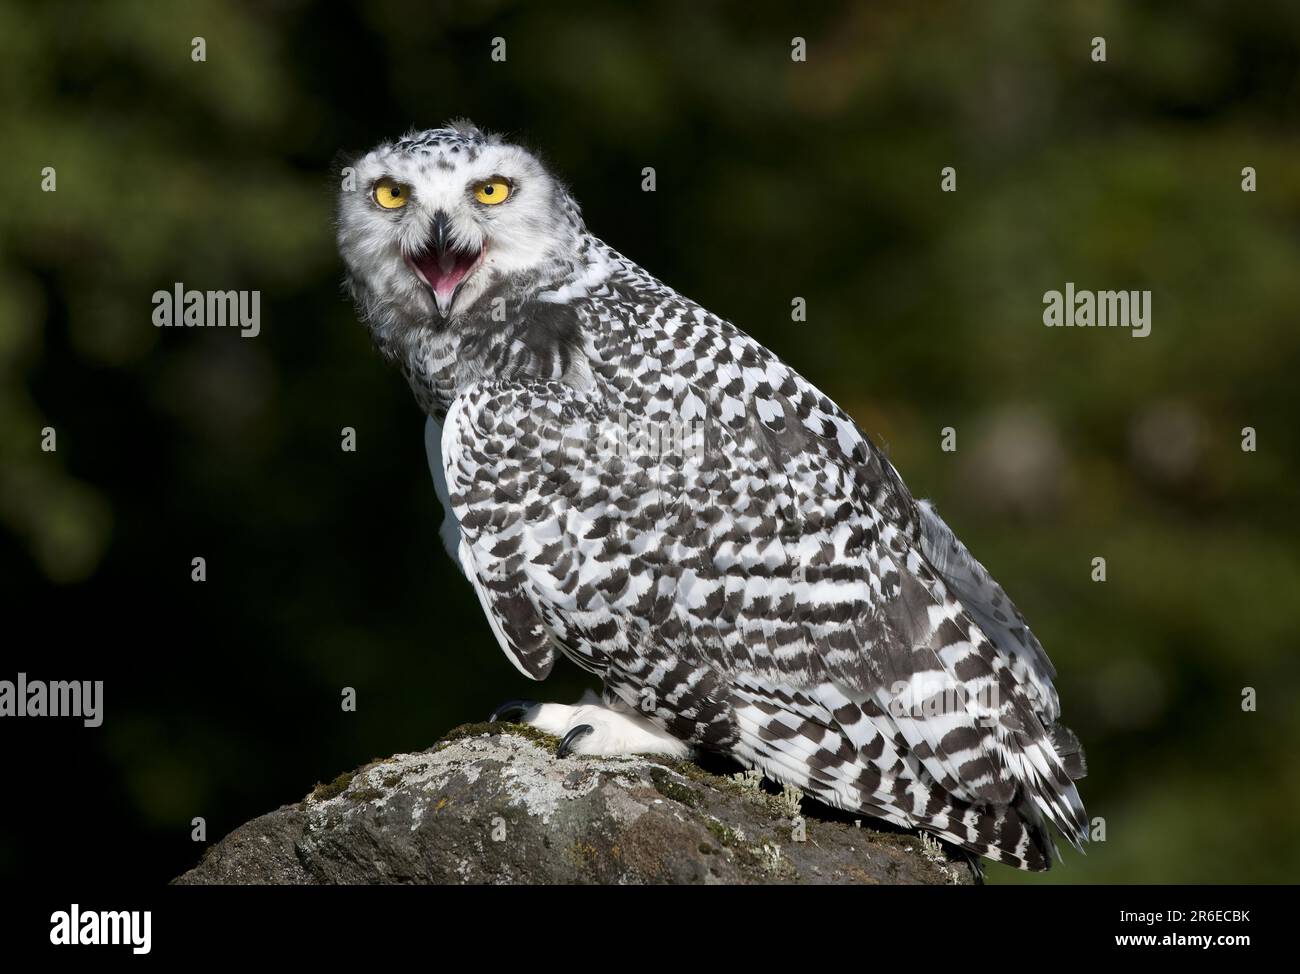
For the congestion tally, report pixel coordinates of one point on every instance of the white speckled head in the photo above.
(434, 219)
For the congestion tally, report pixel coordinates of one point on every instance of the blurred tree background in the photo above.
(775, 179)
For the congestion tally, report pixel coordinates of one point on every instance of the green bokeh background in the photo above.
(775, 179)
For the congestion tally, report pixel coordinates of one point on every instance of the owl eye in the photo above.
(492, 192)
(390, 194)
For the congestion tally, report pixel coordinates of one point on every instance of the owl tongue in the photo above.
(443, 271)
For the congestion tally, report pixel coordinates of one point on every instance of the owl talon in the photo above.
(512, 710)
(594, 728)
(571, 738)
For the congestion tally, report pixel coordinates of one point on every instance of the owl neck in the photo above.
(522, 328)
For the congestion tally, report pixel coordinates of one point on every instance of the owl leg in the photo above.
(593, 727)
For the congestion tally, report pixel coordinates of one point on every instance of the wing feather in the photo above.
(777, 592)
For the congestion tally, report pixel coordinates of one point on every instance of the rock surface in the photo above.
(493, 804)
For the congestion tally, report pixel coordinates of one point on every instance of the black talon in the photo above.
(579, 732)
(511, 708)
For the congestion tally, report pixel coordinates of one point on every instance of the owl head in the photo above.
(430, 223)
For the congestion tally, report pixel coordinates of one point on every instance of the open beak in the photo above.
(442, 267)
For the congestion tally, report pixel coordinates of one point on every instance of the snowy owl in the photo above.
(635, 484)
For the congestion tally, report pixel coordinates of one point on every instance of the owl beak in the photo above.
(440, 231)
(442, 267)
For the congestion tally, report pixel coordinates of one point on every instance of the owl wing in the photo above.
(449, 530)
(771, 591)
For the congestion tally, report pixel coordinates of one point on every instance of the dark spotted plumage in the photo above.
(772, 592)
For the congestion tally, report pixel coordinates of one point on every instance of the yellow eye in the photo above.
(390, 194)
(492, 192)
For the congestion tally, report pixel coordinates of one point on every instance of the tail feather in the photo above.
(1069, 750)
(794, 740)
